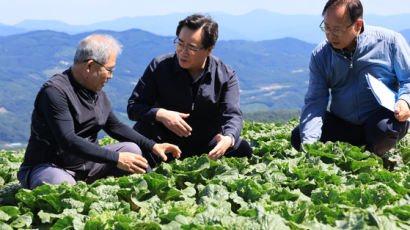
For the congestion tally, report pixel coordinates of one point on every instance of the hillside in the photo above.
(6, 30)
(326, 186)
(271, 116)
(272, 73)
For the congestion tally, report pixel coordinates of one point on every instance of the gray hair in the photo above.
(97, 47)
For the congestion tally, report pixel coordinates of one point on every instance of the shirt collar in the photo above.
(86, 93)
(177, 67)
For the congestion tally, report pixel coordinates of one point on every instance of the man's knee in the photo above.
(48, 173)
(132, 147)
(60, 178)
(295, 138)
(124, 147)
(382, 136)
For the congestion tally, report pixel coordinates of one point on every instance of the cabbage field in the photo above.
(326, 186)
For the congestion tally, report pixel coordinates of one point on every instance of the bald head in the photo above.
(97, 47)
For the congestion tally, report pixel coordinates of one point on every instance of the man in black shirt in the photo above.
(69, 111)
(190, 98)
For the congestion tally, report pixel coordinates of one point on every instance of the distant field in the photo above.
(271, 116)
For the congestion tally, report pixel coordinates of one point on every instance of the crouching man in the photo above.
(69, 111)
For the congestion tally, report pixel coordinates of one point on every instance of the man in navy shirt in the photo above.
(69, 111)
(191, 98)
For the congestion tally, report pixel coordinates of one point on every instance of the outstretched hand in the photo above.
(174, 121)
(131, 162)
(161, 150)
(401, 111)
(223, 143)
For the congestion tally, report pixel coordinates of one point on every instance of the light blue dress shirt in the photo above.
(382, 53)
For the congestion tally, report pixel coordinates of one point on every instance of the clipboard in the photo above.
(383, 94)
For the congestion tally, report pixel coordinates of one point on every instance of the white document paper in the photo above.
(383, 94)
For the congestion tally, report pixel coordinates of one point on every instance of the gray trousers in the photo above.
(32, 177)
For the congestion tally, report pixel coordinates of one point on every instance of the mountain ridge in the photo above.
(264, 70)
(255, 25)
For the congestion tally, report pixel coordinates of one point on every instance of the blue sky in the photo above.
(82, 12)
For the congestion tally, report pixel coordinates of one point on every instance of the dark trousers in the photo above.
(161, 134)
(379, 133)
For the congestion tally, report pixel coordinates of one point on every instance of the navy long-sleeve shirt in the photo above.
(65, 123)
(212, 100)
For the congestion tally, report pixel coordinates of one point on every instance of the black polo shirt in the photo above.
(65, 123)
(212, 100)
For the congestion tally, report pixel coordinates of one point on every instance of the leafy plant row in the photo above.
(326, 186)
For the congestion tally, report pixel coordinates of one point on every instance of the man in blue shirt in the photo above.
(190, 98)
(338, 66)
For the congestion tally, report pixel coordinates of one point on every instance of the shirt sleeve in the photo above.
(121, 132)
(54, 107)
(230, 108)
(316, 101)
(401, 63)
(141, 104)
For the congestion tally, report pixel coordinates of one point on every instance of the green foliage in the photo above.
(107, 140)
(9, 163)
(271, 116)
(326, 186)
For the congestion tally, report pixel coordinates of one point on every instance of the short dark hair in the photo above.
(354, 8)
(197, 21)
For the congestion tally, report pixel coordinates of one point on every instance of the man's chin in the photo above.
(184, 65)
(336, 45)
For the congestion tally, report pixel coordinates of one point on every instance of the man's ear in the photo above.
(209, 51)
(89, 64)
(359, 25)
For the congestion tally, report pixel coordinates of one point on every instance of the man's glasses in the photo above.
(327, 29)
(190, 48)
(110, 71)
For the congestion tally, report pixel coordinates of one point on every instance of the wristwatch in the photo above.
(232, 139)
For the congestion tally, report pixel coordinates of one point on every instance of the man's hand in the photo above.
(174, 121)
(161, 149)
(224, 142)
(401, 110)
(132, 162)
